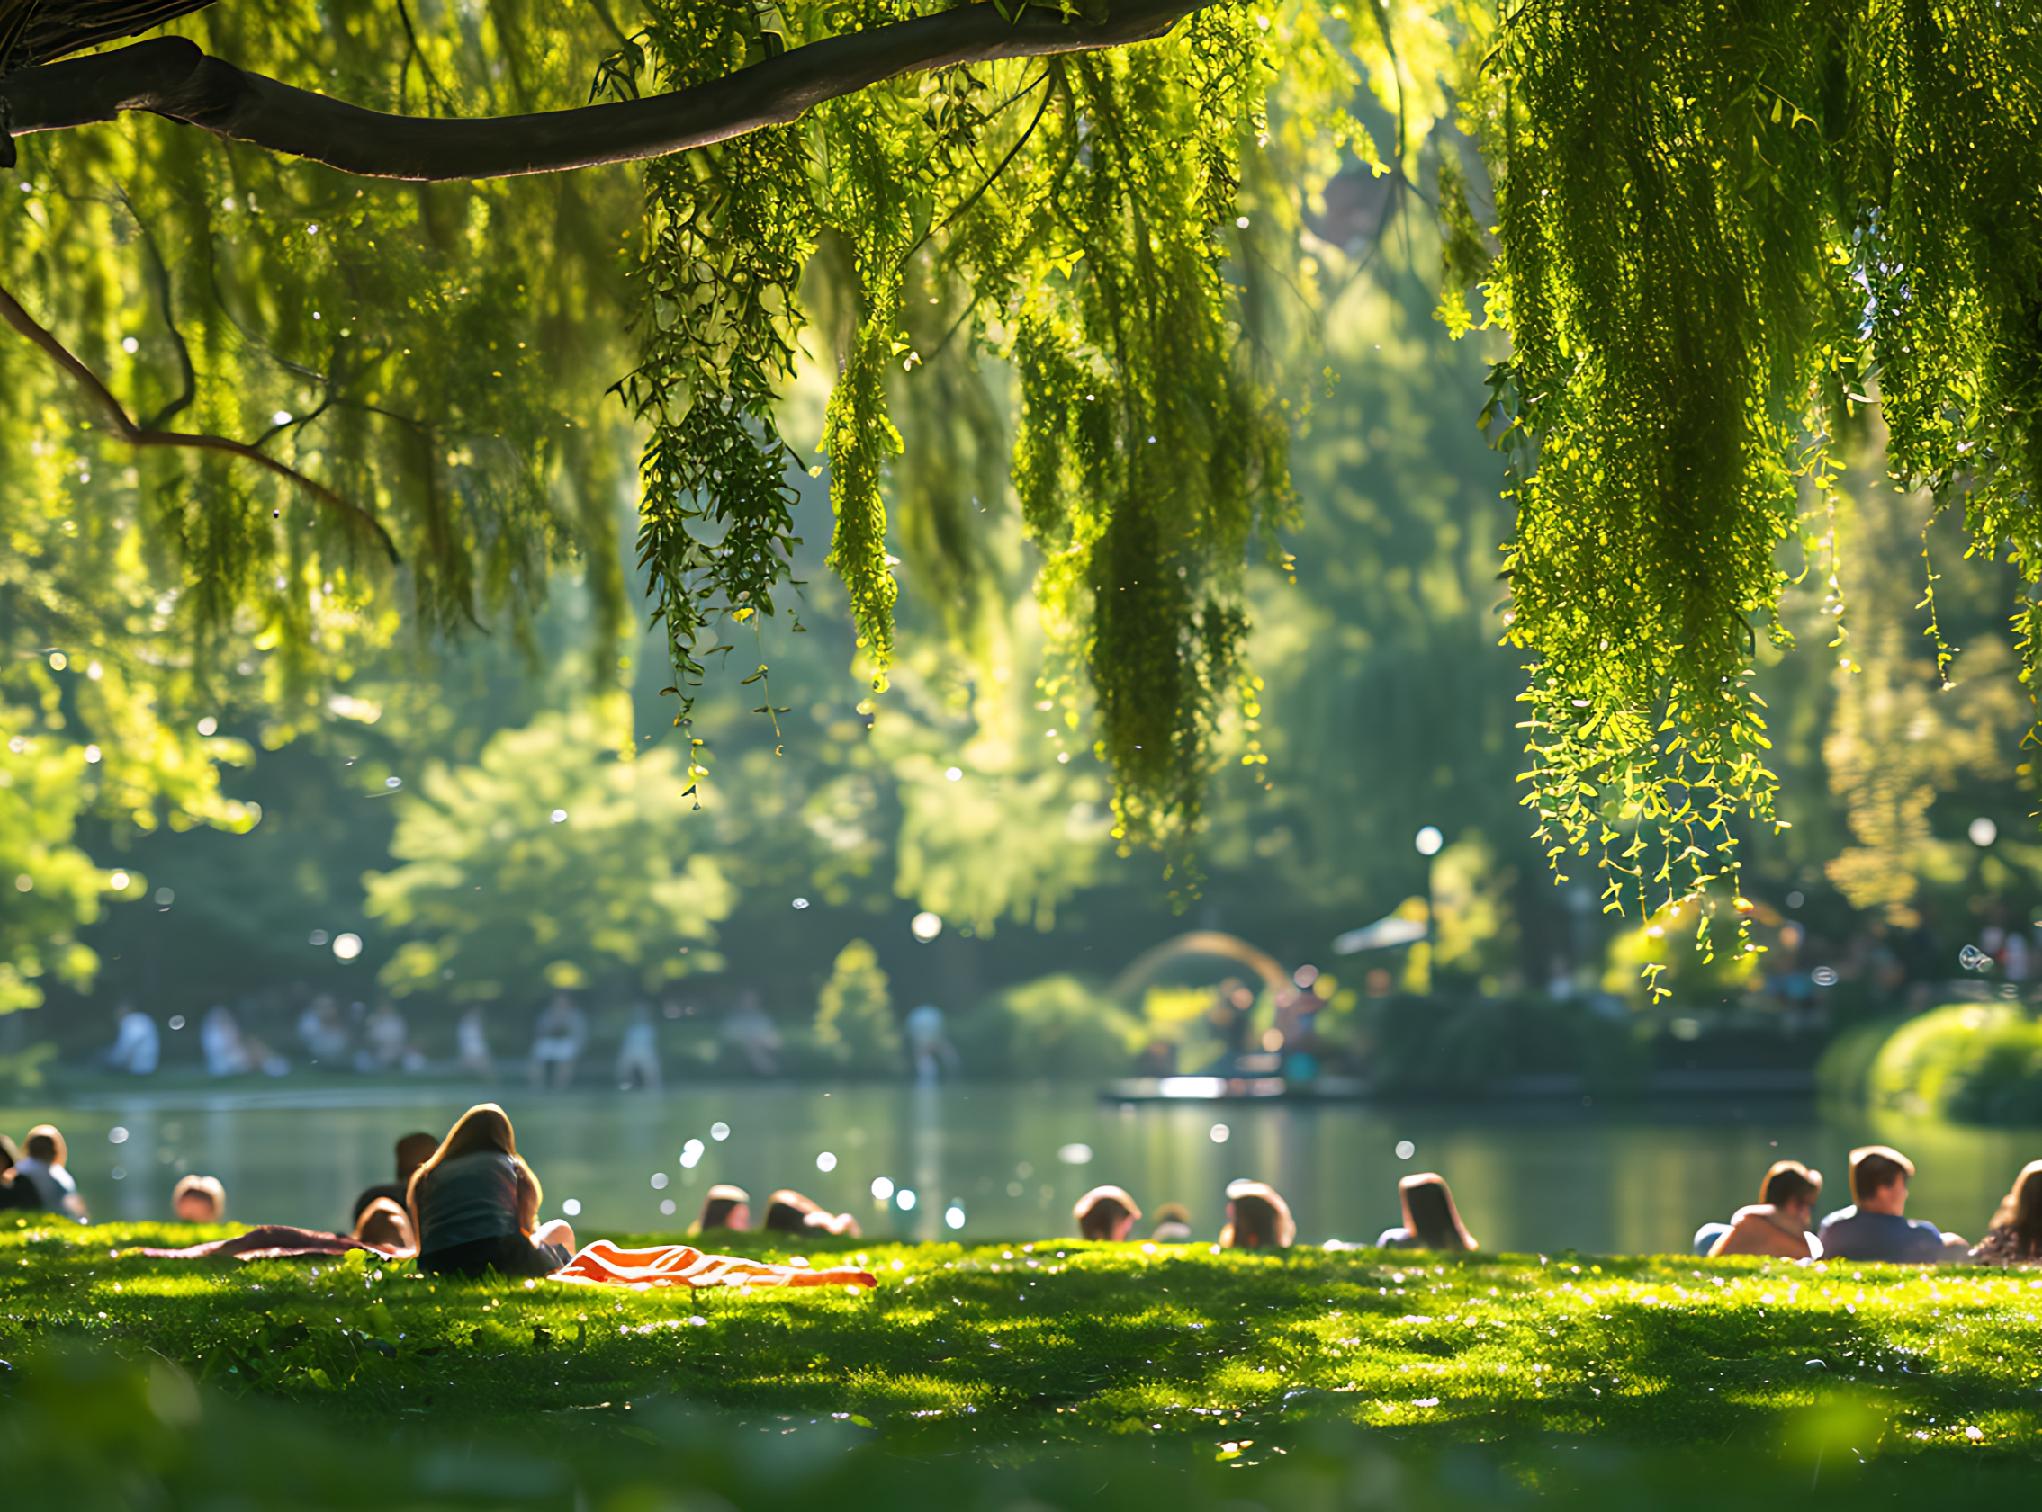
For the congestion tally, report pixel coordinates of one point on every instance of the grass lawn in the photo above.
(1043, 1356)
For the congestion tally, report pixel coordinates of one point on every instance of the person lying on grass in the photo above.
(1257, 1218)
(790, 1212)
(198, 1199)
(384, 1230)
(1780, 1223)
(1431, 1220)
(1106, 1213)
(2016, 1234)
(726, 1209)
(475, 1205)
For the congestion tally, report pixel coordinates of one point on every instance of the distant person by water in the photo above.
(1874, 1227)
(1257, 1218)
(1106, 1213)
(929, 1045)
(17, 1193)
(557, 1042)
(2015, 1237)
(475, 1204)
(638, 1051)
(1173, 1224)
(1780, 1223)
(726, 1208)
(137, 1045)
(1431, 1220)
(413, 1151)
(199, 1199)
(471, 1045)
(792, 1212)
(752, 1037)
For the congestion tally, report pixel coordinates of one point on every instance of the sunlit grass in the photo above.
(1066, 1342)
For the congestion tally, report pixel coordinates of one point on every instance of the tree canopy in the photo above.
(318, 337)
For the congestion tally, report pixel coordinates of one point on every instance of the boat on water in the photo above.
(1234, 1089)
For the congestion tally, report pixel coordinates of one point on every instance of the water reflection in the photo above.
(1528, 1179)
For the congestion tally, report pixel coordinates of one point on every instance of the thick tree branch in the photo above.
(124, 426)
(171, 77)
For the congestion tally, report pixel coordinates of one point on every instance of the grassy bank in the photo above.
(1975, 1063)
(1011, 1349)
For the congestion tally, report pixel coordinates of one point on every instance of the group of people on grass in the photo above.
(469, 1204)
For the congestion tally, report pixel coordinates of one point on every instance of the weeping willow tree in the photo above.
(1723, 233)
(352, 296)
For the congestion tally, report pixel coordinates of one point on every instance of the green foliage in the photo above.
(550, 856)
(50, 886)
(1058, 1025)
(1723, 231)
(1970, 1062)
(1461, 1047)
(854, 1022)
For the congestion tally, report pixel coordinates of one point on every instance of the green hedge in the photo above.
(1970, 1062)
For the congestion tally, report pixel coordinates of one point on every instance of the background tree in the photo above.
(854, 1023)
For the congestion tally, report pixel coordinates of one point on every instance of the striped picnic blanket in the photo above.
(603, 1263)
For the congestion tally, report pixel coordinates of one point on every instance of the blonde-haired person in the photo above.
(198, 1199)
(1257, 1218)
(475, 1205)
(1106, 1213)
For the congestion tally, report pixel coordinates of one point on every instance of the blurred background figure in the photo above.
(752, 1038)
(198, 1199)
(929, 1046)
(137, 1045)
(323, 1031)
(387, 1042)
(557, 1042)
(1173, 1224)
(471, 1045)
(638, 1051)
(221, 1042)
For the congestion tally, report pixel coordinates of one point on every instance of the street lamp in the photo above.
(1428, 841)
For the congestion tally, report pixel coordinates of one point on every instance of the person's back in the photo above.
(413, 1151)
(1874, 1226)
(465, 1200)
(42, 1167)
(1777, 1224)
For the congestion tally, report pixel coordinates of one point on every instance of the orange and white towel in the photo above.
(603, 1263)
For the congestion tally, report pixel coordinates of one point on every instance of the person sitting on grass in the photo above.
(42, 1166)
(385, 1226)
(1780, 1222)
(1106, 1213)
(2015, 1237)
(726, 1208)
(1874, 1228)
(1257, 1218)
(475, 1205)
(17, 1194)
(1173, 1224)
(413, 1151)
(1431, 1221)
(790, 1212)
(199, 1199)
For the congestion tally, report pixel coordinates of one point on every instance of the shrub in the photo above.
(854, 1024)
(1056, 1025)
(1971, 1062)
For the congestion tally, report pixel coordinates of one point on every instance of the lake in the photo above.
(1007, 1161)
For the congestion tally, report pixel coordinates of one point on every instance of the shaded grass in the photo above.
(1007, 1349)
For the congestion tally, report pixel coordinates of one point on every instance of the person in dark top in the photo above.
(726, 1208)
(2016, 1234)
(791, 1212)
(413, 1151)
(1431, 1221)
(17, 1193)
(1874, 1228)
(1106, 1213)
(475, 1205)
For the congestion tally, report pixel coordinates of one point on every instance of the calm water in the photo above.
(1013, 1159)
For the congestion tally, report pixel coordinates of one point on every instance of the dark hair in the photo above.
(44, 1143)
(8, 1154)
(1430, 1214)
(1261, 1218)
(1876, 1167)
(413, 1151)
(1101, 1211)
(717, 1207)
(2019, 1218)
(1788, 1182)
(787, 1212)
(383, 1222)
